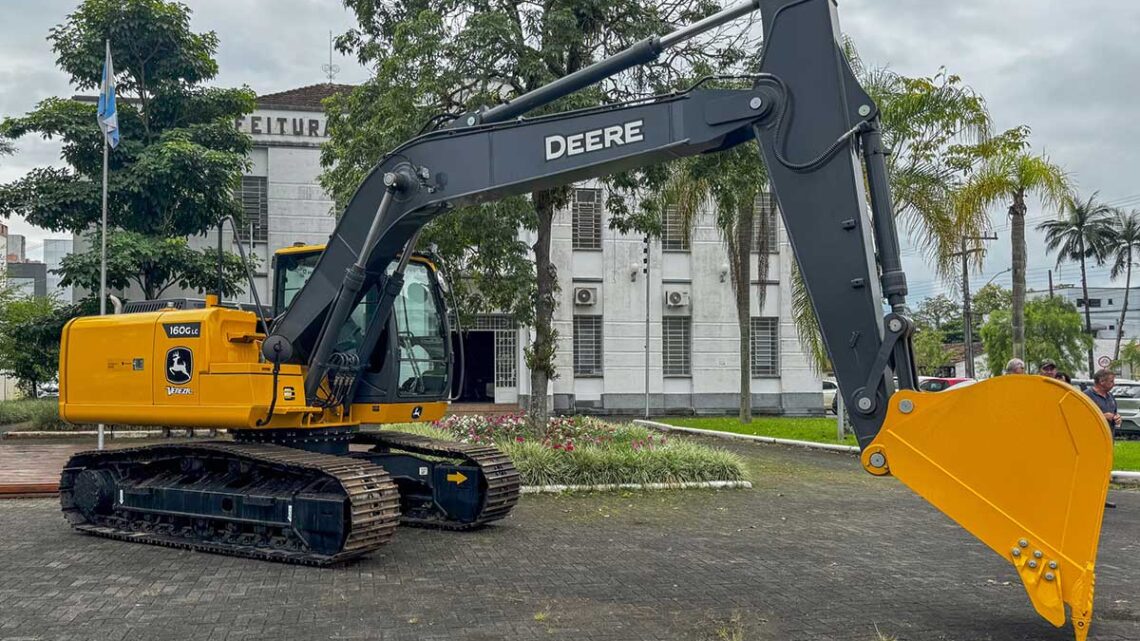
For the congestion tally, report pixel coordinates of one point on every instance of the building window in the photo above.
(587, 212)
(677, 345)
(1110, 301)
(587, 346)
(1093, 302)
(673, 233)
(506, 348)
(765, 342)
(255, 209)
(765, 212)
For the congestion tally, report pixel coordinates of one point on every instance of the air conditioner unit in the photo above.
(676, 298)
(585, 295)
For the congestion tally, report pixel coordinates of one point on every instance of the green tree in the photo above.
(1009, 175)
(929, 353)
(24, 355)
(452, 56)
(937, 312)
(179, 159)
(1130, 356)
(1083, 232)
(990, 298)
(1053, 330)
(1123, 246)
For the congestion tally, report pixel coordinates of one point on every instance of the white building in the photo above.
(693, 346)
(694, 340)
(1104, 305)
(282, 202)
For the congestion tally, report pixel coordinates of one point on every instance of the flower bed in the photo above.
(587, 451)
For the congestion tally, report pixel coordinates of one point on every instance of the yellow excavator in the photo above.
(359, 335)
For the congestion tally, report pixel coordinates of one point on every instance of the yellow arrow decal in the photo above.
(457, 477)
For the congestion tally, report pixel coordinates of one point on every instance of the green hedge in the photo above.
(32, 414)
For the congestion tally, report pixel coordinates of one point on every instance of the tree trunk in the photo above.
(540, 358)
(1123, 308)
(1017, 237)
(741, 270)
(1085, 293)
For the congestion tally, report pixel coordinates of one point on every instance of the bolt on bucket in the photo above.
(1021, 462)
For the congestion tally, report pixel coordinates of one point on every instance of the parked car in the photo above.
(1127, 393)
(939, 383)
(830, 390)
(48, 390)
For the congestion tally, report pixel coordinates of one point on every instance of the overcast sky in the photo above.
(1065, 69)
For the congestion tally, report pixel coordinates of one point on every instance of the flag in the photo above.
(108, 116)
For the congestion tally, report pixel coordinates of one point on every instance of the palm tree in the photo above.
(1009, 175)
(1081, 233)
(1124, 243)
(932, 126)
(734, 181)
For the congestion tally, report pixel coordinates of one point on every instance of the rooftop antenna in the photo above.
(330, 69)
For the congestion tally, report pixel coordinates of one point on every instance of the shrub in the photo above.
(588, 451)
(32, 411)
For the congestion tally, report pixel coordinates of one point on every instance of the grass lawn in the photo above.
(819, 430)
(822, 430)
(1127, 456)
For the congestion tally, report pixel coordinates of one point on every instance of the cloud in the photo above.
(1063, 69)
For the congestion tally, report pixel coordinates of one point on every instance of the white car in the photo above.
(830, 389)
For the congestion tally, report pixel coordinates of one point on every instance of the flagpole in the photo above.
(103, 241)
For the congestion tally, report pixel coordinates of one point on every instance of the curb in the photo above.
(47, 490)
(1118, 476)
(689, 485)
(665, 427)
(107, 434)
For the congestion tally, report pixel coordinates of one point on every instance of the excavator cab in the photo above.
(408, 366)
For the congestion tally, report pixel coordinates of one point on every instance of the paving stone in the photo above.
(818, 550)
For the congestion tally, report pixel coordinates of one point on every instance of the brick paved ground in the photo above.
(818, 550)
(27, 467)
(33, 466)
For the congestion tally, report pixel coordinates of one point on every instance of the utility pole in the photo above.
(1050, 283)
(967, 322)
(645, 270)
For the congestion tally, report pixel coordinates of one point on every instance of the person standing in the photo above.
(1100, 393)
(1015, 366)
(1048, 368)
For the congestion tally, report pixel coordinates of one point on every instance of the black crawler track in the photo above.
(500, 493)
(364, 493)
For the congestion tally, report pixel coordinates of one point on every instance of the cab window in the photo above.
(421, 335)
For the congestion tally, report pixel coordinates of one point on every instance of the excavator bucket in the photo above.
(1021, 462)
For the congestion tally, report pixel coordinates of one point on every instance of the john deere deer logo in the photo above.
(179, 362)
